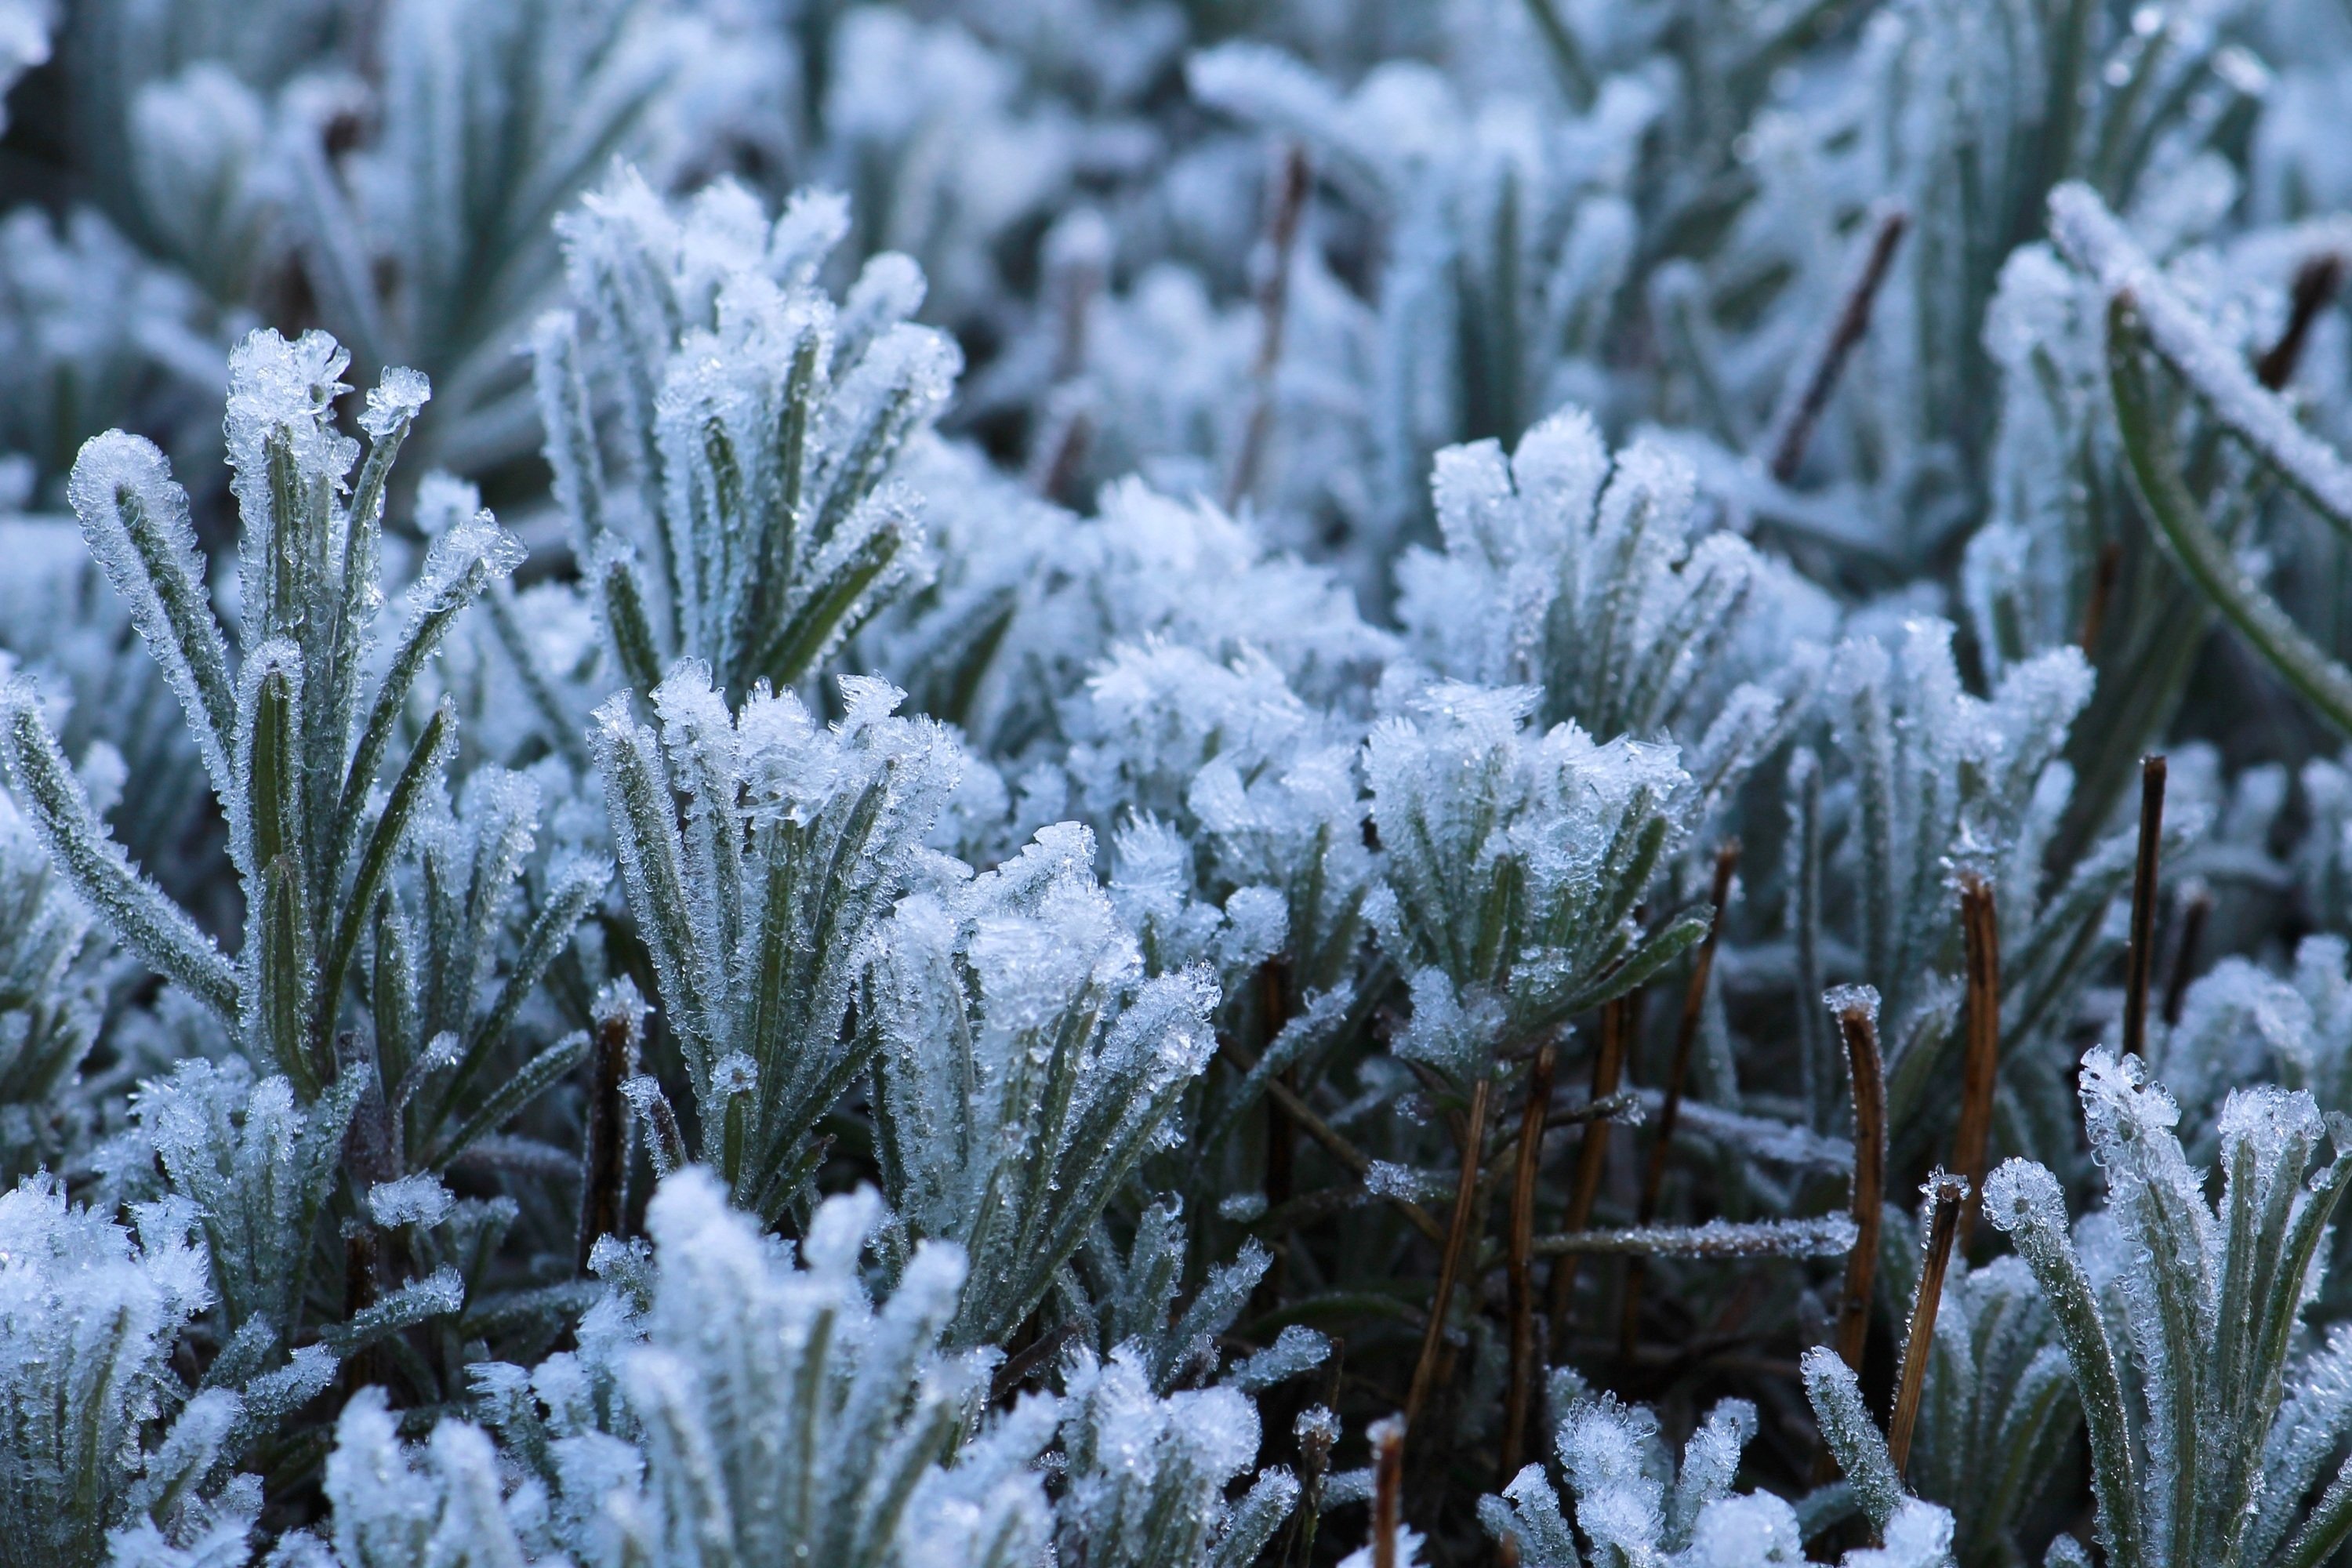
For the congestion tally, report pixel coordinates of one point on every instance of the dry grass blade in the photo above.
(1522, 1274)
(1949, 1196)
(1388, 1488)
(2316, 283)
(1726, 865)
(1283, 212)
(1857, 1017)
(1807, 394)
(2142, 959)
(1980, 1059)
(605, 1164)
(1617, 1025)
(1457, 1236)
(1335, 1143)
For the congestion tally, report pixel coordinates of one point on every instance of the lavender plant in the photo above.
(1231, 782)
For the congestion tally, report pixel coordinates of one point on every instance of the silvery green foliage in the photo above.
(1996, 1411)
(2211, 1450)
(762, 844)
(24, 27)
(1121, 1306)
(1636, 1504)
(705, 1418)
(1024, 1064)
(1927, 781)
(1512, 862)
(102, 1434)
(1146, 1476)
(1582, 574)
(295, 740)
(53, 1000)
(722, 432)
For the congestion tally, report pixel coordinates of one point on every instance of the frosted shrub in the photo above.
(1064, 780)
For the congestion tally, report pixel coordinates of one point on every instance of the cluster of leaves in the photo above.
(1213, 782)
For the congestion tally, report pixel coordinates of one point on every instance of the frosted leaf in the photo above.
(1745, 1532)
(1294, 1351)
(395, 400)
(2022, 1193)
(1918, 1536)
(420, 1200)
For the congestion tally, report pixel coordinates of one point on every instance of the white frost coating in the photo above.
(395, 400)
(420, 1200)
(2219, 374)
(1827, 1236)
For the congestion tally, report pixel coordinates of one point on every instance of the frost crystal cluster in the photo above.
(1159, 783)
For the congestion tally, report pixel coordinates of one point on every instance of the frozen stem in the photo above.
(1857, 1015)
(1283, 210)
(1457, 1236)
(1617, 1025)
(2141, 960)
(1727, 864)
(1980, 1058)
(1522, 1275)
(1947, 1195)
(1808, 394)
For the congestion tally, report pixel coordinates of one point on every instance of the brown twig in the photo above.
(1522, 1275)
(2194, 913)
(604, 1163)
(2315, 282)
(1388, 1488)
(1617, 1023)
(1806, 395)
(1457, 1236)
(1335, 1143)
(2104, 577)
(1980, 1059)
(1282, 215)
(1727, 863)
(1857, 1015)
(2142, 958)
(1950, 1195)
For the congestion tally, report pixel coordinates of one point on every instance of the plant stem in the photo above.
(1727, 863)
(1807, 394)
(1280, 241)
(1616, 1028)
(1858, 1023)
(1522, 1275)
(1950, 1195)
(2142, 958)
(1980, 1064)
(605, 1164)
(1457, 1236)
(1335, 1143)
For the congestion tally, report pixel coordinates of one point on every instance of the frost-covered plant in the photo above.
(1025, 1065)
(762, 852)
(708, 1420)
(1637, 1503)
(101, 1430)
(737, 508)
(2210, 1452)
(52, 1003)
(1581, 575)
(1512, 865)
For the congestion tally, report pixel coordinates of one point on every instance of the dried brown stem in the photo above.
(2142, 958)
(1388, 1488)
(2193, 916)
(1801, 405)
(1287, 205)
(1457, 1236)
(2316, 283)
(1727, 863)
(1522, 1275)
(1617, 1023)
(2104, 577)
(1980, 1058)
(1335, 1143)
(604, 1163)
(1858, 1023)
(1949, 1194)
